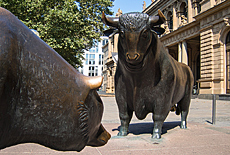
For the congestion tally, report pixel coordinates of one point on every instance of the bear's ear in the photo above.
(110, 31)
(158, 30)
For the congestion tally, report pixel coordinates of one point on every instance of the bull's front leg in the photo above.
(125, 117)
(163, 99)
(162, 107)
(125, 113)
(158, 123)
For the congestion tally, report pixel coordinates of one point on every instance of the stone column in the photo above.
(195, 5)
(184, 53)
(179, 18)
(115, 42)
(189, 11)
(212, 2)
(175, 22)
(179, 52)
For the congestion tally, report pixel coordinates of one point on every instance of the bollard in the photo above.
(214, 109)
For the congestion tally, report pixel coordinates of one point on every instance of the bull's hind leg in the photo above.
(183, 106)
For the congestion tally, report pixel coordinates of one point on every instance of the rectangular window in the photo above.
(105, 41)
(92, 50)
(91, 70)
(92, 62)
(100, 59)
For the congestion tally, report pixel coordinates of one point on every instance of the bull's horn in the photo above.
(157, 20)
(94, 82)
(110, 21)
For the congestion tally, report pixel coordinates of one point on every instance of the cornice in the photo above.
(158, 3)
(180, 30)
(213, 10)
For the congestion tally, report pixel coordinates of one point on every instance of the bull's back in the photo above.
(34, 65)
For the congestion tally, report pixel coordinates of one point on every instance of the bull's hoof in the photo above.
(183, 125)
(156, 136)
(122, 133)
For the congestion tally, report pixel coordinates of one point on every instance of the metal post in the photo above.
(214, 109)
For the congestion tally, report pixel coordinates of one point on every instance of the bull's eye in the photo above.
(122, 34)
(145, 34)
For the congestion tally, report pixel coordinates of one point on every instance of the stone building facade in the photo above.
(198, 34)
(110, 51)
(109, 68)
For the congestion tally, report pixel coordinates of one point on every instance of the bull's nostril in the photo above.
(136, 56)
(128, 56)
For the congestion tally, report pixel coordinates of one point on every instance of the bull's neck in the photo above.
(137, 77)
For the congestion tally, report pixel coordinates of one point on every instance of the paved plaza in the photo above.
(201, 137)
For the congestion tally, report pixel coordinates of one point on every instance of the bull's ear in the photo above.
(158, 30)
(110, 31)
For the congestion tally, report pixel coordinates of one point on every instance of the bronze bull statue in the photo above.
(43, 99)
(147, 79)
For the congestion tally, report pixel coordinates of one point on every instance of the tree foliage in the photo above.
(68, 26)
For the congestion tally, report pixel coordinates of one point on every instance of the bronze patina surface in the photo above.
(148, 79)
(43, 99)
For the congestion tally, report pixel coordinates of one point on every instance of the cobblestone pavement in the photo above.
(201, 137)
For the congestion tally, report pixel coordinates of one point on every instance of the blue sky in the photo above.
(129, 5)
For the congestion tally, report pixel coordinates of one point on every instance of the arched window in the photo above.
(228, 61)
(183, 15)
(183, 9)
(170, 20)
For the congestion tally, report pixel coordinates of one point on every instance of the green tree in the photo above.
(68, 26)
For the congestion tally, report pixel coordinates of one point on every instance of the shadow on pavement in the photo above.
(147, 128)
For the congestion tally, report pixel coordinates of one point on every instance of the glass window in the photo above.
(92, 56)
(104, 42)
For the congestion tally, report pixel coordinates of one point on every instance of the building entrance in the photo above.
(188, 52)
(228, 63)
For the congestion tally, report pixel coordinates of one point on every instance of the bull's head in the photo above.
(43, 99)
(135, 35)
